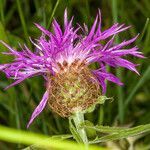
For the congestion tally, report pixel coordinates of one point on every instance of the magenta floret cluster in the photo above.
(70, 44)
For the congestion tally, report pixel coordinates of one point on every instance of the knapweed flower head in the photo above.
(63, 57)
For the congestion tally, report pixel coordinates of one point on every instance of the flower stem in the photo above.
(78, 118)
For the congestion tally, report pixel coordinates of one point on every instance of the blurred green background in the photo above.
(131, 103)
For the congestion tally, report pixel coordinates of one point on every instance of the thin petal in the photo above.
(3, 66)
(14, 52)
(39, 108)
(57, 30)
(20, 80)
(43, 29)
(103, 75)
(65, 18)
(15, 83)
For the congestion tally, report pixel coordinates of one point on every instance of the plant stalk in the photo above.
(78, 118)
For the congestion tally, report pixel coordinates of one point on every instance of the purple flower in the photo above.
(69, 45)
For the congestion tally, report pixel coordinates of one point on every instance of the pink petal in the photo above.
(39, 108)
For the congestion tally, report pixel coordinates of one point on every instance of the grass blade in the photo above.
(23, 22)
(52, 15)
(144, 78)
(119, 72)
(27, 138)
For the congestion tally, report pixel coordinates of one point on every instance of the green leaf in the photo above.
(91, 133)
(101, 100)
(117, 133)
(41, 141)
(55, 137)
(106, 129)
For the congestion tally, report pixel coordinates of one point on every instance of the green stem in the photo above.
(101, 115)
(119, 71)
(2, 12)
(21, 15)
(52, 15)
(78, 118)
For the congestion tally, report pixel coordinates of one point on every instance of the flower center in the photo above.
(74, 87)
